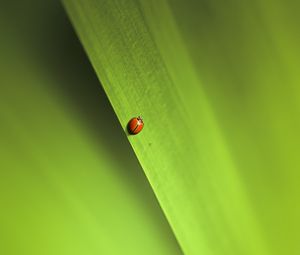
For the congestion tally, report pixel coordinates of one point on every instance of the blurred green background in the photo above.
(69, 180)
(247, 55)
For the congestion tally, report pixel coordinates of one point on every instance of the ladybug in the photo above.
(135, 125)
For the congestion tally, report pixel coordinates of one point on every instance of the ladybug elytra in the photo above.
(135, 125)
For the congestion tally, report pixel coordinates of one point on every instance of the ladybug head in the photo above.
(140, 118)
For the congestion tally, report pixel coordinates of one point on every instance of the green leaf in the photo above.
(217, 85)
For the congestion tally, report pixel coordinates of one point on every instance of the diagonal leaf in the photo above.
(149, 62)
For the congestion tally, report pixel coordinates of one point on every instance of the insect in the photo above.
(135, 125)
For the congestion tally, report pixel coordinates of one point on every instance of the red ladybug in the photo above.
(135, 125)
